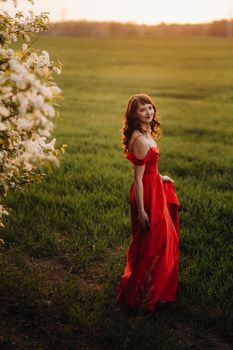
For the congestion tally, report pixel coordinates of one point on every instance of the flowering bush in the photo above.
(28, 97)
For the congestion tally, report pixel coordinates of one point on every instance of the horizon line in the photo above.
(137, 23)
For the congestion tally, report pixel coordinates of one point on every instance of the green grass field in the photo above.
(67, 238)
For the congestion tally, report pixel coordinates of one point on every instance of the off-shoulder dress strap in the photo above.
(135, 141)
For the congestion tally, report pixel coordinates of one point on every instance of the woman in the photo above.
(151, 271)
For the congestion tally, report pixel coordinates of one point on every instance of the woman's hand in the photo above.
(166, 178)
(144, 220)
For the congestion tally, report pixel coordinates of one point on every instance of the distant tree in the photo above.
(93, 28)
(219, 28)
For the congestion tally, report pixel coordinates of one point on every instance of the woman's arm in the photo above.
(140, 150)
(138, 188)
(138, 185)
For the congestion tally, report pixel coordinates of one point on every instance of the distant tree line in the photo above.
(222, 28)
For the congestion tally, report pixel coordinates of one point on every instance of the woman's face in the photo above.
(145, 113)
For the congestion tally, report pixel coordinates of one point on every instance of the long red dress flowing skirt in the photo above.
(151, 271)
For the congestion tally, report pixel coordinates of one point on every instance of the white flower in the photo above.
(19, 80)
(3, 53)
(46, 92)
(3, 211)
(13, 37)
(48, 110)
(48, 146)
(55, 90)
(23, 105)
(44, 59)
(1, 157)
(10, 52)
(28, 166)
(4, 66)
(38, 115)
(17, 67)
(24, 47)
(4, 111)
(25, 124)
(57, 70)
(6, 89)
(14, 133)
(33, 149)
(34, 57)
(2, 126)
(27, 37)
(44, 132)
(43, 72)
(2, 79)
(39, 101)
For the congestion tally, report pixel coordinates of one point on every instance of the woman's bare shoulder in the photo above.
(135, 135)
(139, 145)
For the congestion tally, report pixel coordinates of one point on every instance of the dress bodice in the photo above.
(150, 160)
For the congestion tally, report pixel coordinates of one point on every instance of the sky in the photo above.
(138, 11)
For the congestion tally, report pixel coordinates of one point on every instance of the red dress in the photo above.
(151, 271)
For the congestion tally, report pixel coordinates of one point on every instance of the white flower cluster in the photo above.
(21, 26)
(27, 99)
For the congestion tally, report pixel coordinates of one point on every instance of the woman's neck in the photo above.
(146, 130)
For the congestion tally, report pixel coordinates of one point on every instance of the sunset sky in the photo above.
(139, 11)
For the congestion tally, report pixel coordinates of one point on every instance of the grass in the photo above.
(67, 238)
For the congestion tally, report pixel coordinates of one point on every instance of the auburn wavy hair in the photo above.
(130, 122)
